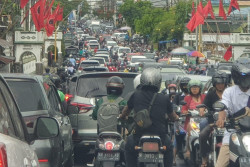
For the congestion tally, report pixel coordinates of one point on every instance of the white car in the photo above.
(101, 60)
(93, 42)
(136, 60)
(110, 44)
(14, 140)
(123, 50)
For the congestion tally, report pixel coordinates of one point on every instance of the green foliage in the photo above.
(158, 23)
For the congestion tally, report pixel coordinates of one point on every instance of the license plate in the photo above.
(150, 157)
(104, 156)
(244, 161)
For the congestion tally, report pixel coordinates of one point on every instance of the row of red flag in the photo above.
(42, 15)
(199, 16)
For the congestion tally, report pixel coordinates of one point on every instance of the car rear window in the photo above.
(88, 64)
(28, 95)
(101, 61)
(96, 86)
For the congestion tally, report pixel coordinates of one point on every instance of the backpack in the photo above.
(108, 113)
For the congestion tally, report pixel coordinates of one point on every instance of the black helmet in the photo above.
(219, 77)
(183, 83)
(115, 85)
(55, 79)
(241, 72)
(151, 77)
(47, 70)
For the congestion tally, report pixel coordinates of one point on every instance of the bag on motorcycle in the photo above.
(108, 113)
(142, 117)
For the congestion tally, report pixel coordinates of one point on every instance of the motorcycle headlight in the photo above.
(246, 142)
(195, 126)
(235, 139)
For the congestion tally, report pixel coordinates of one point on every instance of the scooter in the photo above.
(239, 126)
(150, 151)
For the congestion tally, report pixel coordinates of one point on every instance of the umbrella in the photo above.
(195, 54)
(180, 51)
(125, 28)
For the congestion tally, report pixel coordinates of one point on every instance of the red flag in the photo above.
(50, 25)
(23, 3)
(37, 12)
(193, 9)
(200, 9)
(208, 9)
(58, 13)
(47, 10)
(228, 53)
(221, 11)
(233, 6)
(196, 20)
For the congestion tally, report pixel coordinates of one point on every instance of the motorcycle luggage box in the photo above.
(150, 157)
(244, 161)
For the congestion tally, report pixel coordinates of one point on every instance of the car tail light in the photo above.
(83, 108)
(68, 97)
(3, 156)
(150, 147)
(43, 160)
(109, 145)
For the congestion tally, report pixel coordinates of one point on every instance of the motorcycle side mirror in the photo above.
(201, 106)
(183, 103)
(219, 106)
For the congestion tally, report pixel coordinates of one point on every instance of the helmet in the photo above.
(151, 77)
(219, 77)
(183, 83)
(115, 85)
(192, 83)
(137, 81)
(55, 79)
(172, 86)
(241, 72)
(47, 70)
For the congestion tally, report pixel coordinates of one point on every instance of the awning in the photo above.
(7, 59)
(5, 44)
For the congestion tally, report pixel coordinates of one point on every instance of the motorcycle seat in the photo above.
(110, 134)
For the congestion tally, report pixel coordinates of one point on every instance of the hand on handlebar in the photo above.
(220, 123)
(202, 113)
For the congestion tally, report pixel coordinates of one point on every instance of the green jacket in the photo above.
(100, 101)
(61, 95)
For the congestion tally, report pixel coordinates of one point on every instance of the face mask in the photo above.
(172, 91)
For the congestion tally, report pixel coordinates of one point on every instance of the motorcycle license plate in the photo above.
(150, 157)
(244, 161)
(104, 156)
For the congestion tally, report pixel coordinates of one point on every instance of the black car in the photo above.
(89, 88)
(37, 96)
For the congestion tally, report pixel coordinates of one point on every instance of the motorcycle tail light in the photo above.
(68, 97)
(109, 145)
(150, 147)
(3, 156)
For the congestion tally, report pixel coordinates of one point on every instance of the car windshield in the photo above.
(112, 44)
(101, 61)
(94, 46)
(225, 68)
(96, 86)
(28, 95)
(124, 50)
(105, 57)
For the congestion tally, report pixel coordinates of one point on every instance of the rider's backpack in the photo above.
(108, 113)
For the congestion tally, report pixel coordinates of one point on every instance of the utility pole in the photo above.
(196, 30)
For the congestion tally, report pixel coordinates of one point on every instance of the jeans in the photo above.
(203, 123)
(131, 154)
(204, 138)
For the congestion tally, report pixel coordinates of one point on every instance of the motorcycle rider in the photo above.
(235, 98)
(115, 86)
(150, 82)
(193, 99)
(184, 91)
(219, 81)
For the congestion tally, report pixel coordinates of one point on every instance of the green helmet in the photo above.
(194, 83)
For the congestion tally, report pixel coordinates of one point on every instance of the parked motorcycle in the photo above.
(239, 125)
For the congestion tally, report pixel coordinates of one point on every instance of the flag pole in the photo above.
(55, 43)
(196, 30)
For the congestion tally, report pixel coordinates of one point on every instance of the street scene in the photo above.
(124, 83)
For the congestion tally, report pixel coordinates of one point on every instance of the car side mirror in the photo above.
(46, 128)
(219, 106)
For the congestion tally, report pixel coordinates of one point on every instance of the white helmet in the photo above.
(137, 80)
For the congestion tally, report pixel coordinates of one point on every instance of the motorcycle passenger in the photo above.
(72, 60)
(150, 82)
(115, 86)
(172, 88)
(184, 91)
(193, 99)
(219, 81)
(236, 98)
(57, 81)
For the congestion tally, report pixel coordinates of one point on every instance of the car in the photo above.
(102, 52)
(95, 69)
(89, 88)
(123, 50)
(176, 61)
(37, 96)
(136, 60)
(15, 149)
(105, 56)
(110, 44)
(88, 63)
(93, 46)
(93, 42)
(149, 55)
(101, 60)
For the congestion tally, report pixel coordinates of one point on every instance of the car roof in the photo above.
(89, 61)
(22, 76)
(101, 55)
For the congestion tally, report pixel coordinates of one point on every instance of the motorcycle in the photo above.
(239, 126)
(150, 151)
